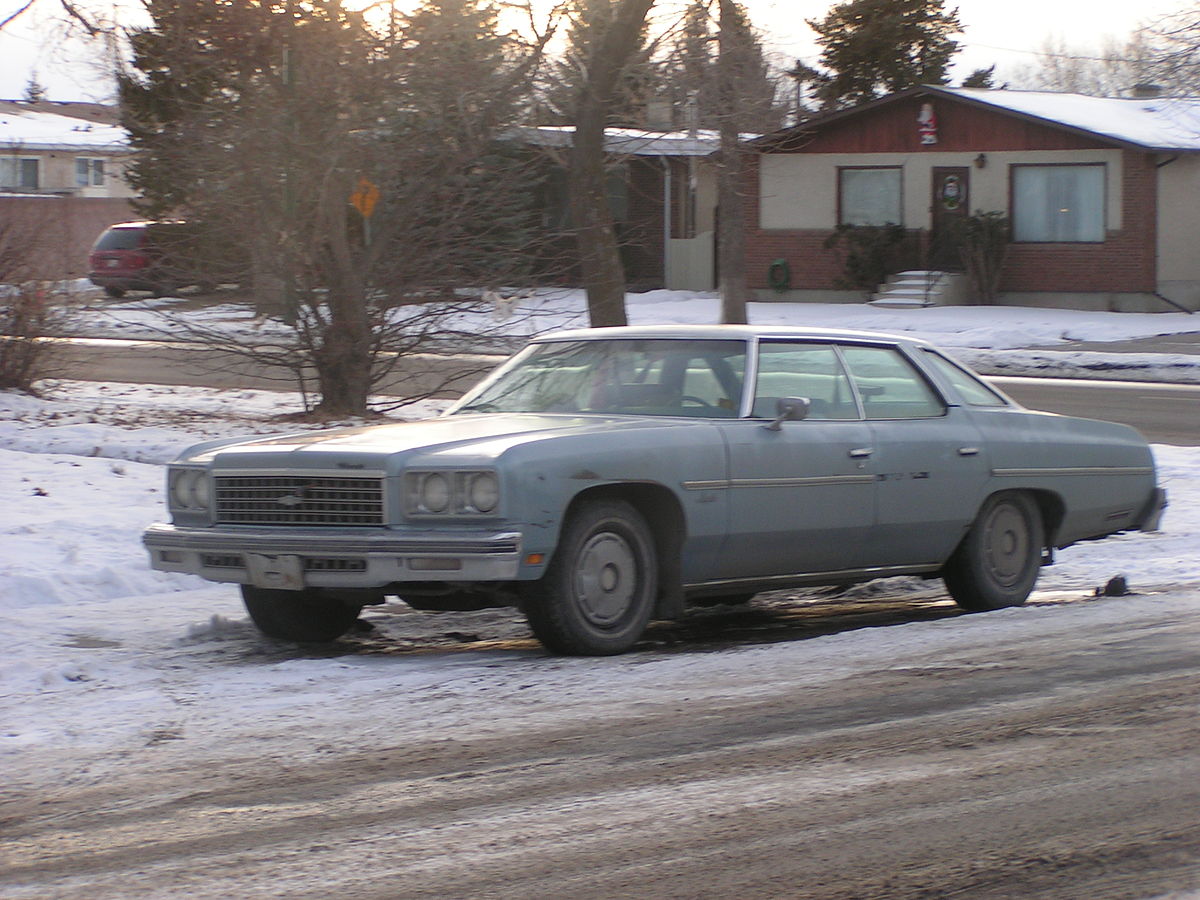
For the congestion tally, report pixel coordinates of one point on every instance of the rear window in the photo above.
(120, 239)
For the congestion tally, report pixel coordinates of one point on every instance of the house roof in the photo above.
(1156, 123)
(626, 141)
(26, 127)
(1168, 124)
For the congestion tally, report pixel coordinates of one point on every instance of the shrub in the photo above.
(872, 253)
(26, 316)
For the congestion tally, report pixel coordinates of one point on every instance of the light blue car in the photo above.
(603, 478)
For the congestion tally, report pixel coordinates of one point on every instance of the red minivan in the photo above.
(159, 257)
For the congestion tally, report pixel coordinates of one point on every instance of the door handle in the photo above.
(968, 451)
(861, 452)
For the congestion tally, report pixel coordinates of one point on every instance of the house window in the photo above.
(1058, 203)
(89, 172)
(870, 196)
(19, 174)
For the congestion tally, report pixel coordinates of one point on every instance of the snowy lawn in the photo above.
(105, 659)
(995, 340)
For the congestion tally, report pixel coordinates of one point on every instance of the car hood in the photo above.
(483, 435)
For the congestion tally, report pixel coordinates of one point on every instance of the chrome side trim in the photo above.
(1073, 470)
(802, 578)
(726, 484)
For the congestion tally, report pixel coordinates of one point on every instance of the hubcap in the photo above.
(605, 578)
(1006, 545)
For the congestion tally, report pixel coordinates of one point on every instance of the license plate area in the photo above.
(282, 572)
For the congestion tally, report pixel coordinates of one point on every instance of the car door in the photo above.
(928, 459)
(800, 495)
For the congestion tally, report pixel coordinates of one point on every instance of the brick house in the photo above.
(62, 182)
(1102, 195)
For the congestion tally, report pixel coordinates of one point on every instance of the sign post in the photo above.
(363, 198)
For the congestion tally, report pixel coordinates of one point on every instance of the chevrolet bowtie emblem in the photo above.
(293, 499)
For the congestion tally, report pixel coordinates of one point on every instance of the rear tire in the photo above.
(114, 292)
(598, 592)
(998, 562)
(303, 616)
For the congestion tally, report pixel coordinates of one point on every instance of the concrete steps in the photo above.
(920, 287)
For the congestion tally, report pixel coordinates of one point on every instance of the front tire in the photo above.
(598, 592)
(998, 562)
(114, 292)
(303, 616)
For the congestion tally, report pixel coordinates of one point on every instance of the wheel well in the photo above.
(1050, 507)
(664, 515)
(1053, 510)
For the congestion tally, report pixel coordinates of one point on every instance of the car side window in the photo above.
(793, 369)
(889, 385)
(969, 387)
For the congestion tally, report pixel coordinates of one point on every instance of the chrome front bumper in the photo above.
(346, 558)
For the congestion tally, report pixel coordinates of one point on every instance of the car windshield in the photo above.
(700, 379)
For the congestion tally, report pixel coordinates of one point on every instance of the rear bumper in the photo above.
(348, 558)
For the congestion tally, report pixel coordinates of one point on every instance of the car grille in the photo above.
(298, 500)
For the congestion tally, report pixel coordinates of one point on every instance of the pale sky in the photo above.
(995, 31)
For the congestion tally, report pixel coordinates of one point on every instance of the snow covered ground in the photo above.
(104, 658)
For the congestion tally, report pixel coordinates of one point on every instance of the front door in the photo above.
(951, 204)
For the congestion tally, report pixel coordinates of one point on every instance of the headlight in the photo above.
(483, 492)
(451, 493)
(190, 489)
(435, 493)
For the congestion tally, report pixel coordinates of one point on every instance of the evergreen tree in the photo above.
(264, 120)
(874, 47)
(981, 78)
(691, 73)
(570, 76)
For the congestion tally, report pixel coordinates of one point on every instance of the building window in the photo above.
(19, 174)
(1058, 203)
(870, 196)
(89, 172)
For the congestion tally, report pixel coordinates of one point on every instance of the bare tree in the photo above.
(330, 154)
(1110, 71)
(731, 238)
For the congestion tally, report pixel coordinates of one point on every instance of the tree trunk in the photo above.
(596, 234)
(731, 237)
(344, 359)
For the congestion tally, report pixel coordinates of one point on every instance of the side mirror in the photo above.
(789, 409)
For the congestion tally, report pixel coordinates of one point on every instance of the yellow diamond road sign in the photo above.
(364, 198)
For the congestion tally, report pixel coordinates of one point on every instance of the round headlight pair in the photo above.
(190, 489)
(435, 493)
(483, 492)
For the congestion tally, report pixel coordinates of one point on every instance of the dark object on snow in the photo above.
(1117, 587)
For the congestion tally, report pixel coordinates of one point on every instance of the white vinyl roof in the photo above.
(22, 129)
(1160, 123)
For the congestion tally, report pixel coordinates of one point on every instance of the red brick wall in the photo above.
(812, 266)
(1125, 262)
